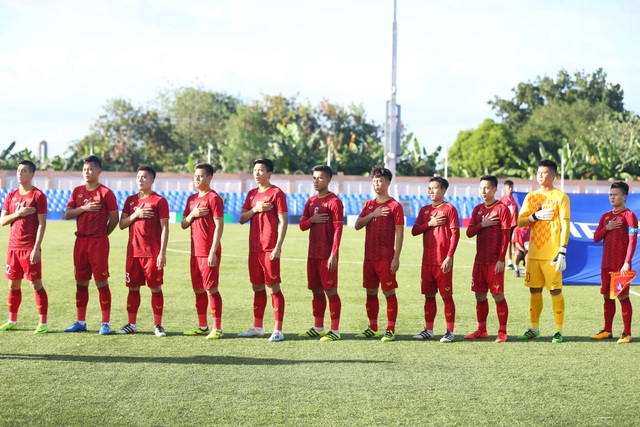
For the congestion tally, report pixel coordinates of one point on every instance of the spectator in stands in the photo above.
(95, 209)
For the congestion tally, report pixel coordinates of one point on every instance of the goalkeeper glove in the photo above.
(541, 215)
(560, 260)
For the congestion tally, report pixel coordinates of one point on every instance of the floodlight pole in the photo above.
(392, 135)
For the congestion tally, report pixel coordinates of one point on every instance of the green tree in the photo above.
(247, 138)
(198, 118)
(481, 151)
(414, 159)
(528, 97)
(355, 141)
(296, 154)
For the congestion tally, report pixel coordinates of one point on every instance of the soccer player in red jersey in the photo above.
(324, 216)
(146, 214)
(25, 211)
(383, 218)
(547, 213)
(439, 224)
(511, 203)
(204, 214)
(491, 223)
(95, 209)
(266, 208)
(520, 239)
(619, 230)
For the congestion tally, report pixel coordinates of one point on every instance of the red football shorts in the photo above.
(485, 279)
(378, 273)
(19, 266)
(319, 277)
(91, 256)
(203, 276)
(139, 270)
(262, 270)
(433, 280)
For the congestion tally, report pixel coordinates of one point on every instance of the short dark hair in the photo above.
(508, 183)
(149, 169)
(266, 162)
(93, 159)
(324, 169)
(207, 168)
(549, 164)
(623, 186)
(443, 183)
(491, 178)
(380, 171)
(29, 164)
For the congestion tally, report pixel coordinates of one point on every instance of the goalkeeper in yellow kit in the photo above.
(546, 212)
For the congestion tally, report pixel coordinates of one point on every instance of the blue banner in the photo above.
(584, 256)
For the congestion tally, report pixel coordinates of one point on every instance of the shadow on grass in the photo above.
(192, 360)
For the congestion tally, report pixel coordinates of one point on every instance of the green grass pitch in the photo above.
(141, 380)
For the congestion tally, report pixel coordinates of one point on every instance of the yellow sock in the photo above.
(535, 308)
(557, 302)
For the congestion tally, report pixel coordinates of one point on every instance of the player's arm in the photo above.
(564, 210)
(283, 223)
(631, 246)
(36, 253)
(419, 226)
(399, 238)
(161, 261)
(337, 214)
(601, 230)
(113, 221)
(7, 218)
(447, 264)
(215, 244)
(305, 220)
(474, 226)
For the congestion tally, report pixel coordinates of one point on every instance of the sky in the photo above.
(62, 60)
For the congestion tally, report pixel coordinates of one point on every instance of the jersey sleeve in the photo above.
(398, 214)
(41, 204)
(523, 217)
(474, 226)
(564, 209)
(365, 209)
(601, 230)
(71, 204)
(217, 210)
(247, 206)
(163, 208)
(633, 237)
(421, 224)
(187, 207)
(6, 206)
(111, 201)
(281, 202)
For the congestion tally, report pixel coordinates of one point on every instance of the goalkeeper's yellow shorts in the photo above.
(541, 274)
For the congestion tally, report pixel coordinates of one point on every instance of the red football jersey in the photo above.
(203, 228)
(512, 205)
(380, 240)
(438, 242)
(22, 235)
(620, 243)
(263, 233)
(145, 233)
(93, 224)
(324, 238)
(491, 242)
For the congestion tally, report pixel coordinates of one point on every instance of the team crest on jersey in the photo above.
(371, 207)
(131, 203)
(250, 197)
(326, 205)
(80, 196)
(14, 198)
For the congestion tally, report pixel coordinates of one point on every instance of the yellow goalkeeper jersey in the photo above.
(546, 236)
